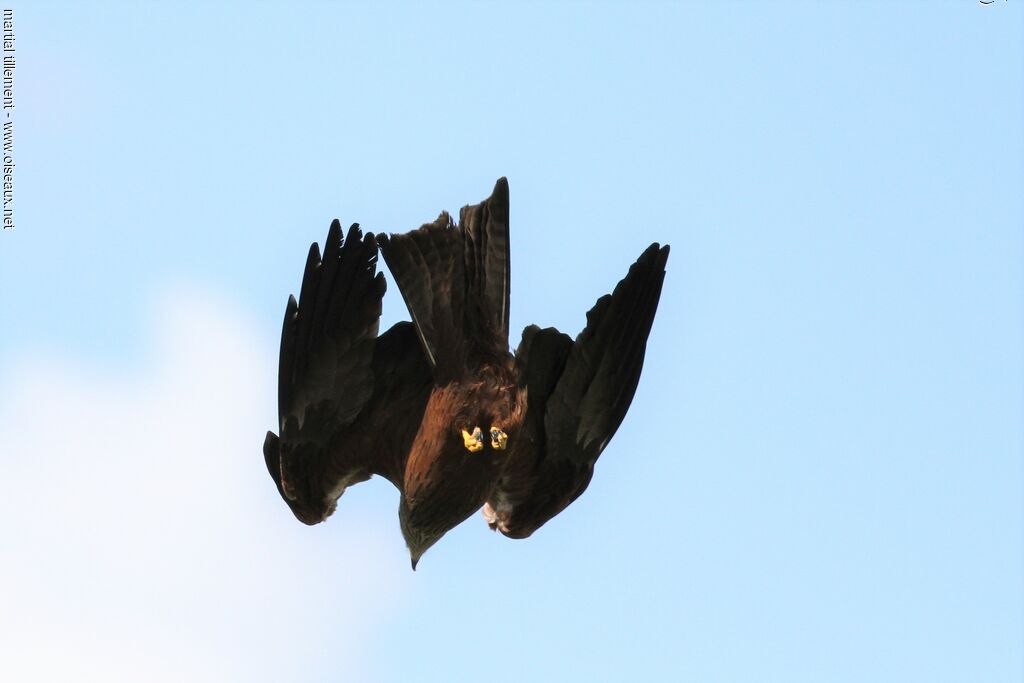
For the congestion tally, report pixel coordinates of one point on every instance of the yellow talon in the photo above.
(474, 442)
(499, 439)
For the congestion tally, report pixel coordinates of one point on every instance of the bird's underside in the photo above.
(439, 406)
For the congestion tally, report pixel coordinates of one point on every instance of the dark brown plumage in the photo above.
(439, 406)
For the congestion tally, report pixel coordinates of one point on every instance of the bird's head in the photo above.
(418, 538)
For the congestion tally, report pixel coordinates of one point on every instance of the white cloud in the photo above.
(142, 538)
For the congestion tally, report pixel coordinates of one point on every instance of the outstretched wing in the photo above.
(577, 395)
(349, 402)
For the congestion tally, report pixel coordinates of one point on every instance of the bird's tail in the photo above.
(455, 281)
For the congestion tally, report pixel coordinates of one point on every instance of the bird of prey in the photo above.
(439, 406)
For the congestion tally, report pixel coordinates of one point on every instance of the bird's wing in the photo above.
(577, 395)
(349, 402)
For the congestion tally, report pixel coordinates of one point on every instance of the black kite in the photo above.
(439, 406)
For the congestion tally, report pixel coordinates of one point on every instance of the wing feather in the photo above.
(603, 369)
(340, 386)
(577, 396)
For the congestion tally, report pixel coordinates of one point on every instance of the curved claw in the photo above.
(499, 439)
(473, 442)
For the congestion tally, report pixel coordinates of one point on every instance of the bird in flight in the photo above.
(439, 406)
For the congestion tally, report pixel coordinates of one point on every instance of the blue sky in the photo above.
(820, 477)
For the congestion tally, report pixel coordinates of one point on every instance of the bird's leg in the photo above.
(473, 442)
(499, 439)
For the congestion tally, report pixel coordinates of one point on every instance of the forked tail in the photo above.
(455, 282)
